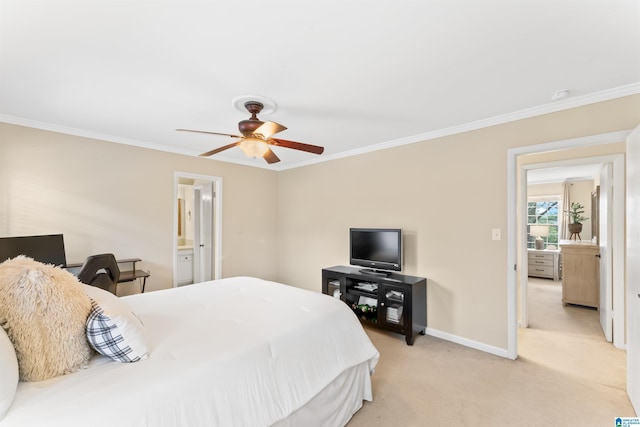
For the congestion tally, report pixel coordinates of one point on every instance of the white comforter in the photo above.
(232, 352)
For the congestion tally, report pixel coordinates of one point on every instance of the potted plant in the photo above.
(576, 217)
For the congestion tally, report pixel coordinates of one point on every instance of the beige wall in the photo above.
(108, 197)
(547, 189)
(446, 194)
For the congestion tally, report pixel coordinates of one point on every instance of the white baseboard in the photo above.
(502, 352)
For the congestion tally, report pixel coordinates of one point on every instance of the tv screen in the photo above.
(378, 248)
(48, 249)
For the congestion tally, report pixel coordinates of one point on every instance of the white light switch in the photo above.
(496, 234)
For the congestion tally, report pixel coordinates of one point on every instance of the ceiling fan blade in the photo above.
(315, 149)
(271, 157)
(210, 133)
(217, 150)
(269, 128)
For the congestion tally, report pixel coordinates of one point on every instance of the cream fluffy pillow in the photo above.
(44, 310)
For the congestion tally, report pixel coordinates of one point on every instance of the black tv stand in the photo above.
(395, 302)
(375, 272)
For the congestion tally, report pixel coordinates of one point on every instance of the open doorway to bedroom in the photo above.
(197, 228)
(560, 329)
(585, 151)
(517, 272)
(581, 179)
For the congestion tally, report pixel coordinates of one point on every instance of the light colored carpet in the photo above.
(566, 375)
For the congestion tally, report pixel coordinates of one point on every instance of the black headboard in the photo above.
(48, 249)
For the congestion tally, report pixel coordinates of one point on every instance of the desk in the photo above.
(125, 275)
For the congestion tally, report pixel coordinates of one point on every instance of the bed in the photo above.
(232, 352)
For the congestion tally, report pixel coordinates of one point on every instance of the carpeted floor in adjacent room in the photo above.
(566, 375)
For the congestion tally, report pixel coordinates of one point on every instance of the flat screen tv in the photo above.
(48, 249)
(379, 249)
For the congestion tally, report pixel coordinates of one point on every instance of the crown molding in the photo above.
(564, 104)
(4, 118)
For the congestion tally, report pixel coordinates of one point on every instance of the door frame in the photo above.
(516, 186)
(633, 269)
(216, 182)
(606, 252)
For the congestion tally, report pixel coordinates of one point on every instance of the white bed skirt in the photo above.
(336, 403)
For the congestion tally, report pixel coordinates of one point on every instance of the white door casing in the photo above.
(633, 268)
(605, 229)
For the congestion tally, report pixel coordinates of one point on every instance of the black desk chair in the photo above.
(101, 271)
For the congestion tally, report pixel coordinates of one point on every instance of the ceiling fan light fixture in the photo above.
(268, 129)
(255, 137)
(268, 104)
(254, 147)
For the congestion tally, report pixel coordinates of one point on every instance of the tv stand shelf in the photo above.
(394, 302)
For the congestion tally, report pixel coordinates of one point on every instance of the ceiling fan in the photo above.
(256, 137)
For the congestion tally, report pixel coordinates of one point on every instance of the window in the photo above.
(543, 211)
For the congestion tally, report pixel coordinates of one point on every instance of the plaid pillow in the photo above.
(104, 337)
(117, 334)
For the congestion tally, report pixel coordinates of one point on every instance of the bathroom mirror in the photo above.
(181, 220)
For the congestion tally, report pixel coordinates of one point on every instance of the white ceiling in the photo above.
(350, 75)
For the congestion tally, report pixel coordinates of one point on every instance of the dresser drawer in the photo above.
(540, 271)
(540, 256)
(540, 262)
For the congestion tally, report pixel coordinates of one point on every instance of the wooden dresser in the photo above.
(580, 274)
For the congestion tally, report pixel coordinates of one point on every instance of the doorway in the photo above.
(516, 253)
(611, 242)
(197, 228)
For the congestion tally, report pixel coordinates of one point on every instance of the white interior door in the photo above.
(605, 227)
(203, 234)
(633, 268)
(523, 275)
(197, 235)
(206, 232)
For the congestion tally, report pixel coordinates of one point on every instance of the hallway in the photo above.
(568, 338)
